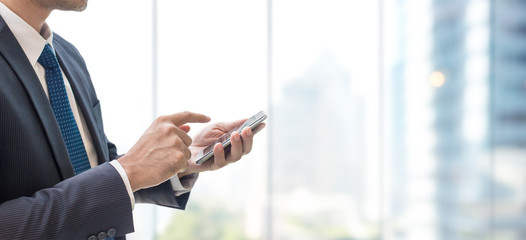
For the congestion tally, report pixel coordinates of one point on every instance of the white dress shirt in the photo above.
(32, 44)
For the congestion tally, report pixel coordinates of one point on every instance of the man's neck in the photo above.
(28, 10)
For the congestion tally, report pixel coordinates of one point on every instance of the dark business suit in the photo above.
(40, 196)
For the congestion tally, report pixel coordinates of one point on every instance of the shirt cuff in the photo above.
(125, 179)
(183, 185)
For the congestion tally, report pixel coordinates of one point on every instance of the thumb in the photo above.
(235, 124)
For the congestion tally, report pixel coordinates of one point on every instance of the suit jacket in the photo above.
(40, 196)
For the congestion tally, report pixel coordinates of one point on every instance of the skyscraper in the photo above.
(456, 90)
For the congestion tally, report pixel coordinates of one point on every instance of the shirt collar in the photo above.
(31, 41)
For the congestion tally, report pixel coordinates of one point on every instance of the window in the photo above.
(389, 119)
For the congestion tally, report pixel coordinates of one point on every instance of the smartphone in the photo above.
(208, 152)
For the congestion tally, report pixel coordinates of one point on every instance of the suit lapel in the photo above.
(82, 98)
(13, 53)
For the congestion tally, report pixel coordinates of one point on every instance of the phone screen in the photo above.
(208, 152)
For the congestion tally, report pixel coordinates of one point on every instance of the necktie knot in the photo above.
(48, 59)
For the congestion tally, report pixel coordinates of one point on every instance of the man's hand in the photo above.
(162, 151)
(241, 144)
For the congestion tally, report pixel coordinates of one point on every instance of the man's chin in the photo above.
(78, 6)
(64, 5)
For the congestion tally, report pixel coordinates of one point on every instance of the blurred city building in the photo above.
(455, 81)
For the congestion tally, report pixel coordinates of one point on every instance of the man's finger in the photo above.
(187, 140)
(231, 125)
(258, 128)
(219, 156)
(181, 118)
(185, 128)
(247, 137)
(187, 153)
(236, 148)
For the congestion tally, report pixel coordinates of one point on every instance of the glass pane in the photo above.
(325, 178)
(438, 175)
(509, 119)
(213, 60)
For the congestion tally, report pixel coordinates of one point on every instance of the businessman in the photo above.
(60, 178)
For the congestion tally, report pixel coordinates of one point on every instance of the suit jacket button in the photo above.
(112, 232)
(92, 237)
(101, 235)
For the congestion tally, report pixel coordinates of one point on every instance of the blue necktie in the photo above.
(63, 113)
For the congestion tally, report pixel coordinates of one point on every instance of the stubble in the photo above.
(65, 5)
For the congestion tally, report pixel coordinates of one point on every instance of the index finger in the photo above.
(188, 117)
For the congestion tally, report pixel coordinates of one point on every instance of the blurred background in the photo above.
(388, 119)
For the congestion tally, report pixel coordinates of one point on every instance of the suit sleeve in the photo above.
(165, 195)
(76, 208)
(162, 194)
